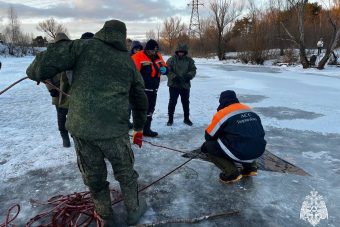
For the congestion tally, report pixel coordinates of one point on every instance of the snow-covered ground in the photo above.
(299, 108)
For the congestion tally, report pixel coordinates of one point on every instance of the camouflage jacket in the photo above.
(181, 69)
(104, 81)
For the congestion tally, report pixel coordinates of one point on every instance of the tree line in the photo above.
(255, 32)
(20, 43)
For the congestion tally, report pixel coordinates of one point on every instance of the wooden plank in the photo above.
(267, 162)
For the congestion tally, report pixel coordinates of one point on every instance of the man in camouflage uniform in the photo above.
(61, 81)
(182, 70)
(105, 80)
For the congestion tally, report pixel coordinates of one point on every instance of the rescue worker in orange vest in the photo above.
(151, 65)
(235, 134)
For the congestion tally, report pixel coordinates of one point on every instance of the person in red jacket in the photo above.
(151, 65)
(235, 134)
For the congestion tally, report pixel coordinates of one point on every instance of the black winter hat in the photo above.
(227, 98)
(87, 35)
(151, 45)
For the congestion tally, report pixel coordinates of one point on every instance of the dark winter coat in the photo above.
(149, 68)
(181, 69)
(61, 81)
(239, 132)
(104, 79)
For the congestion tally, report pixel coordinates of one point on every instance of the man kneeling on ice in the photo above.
(235, 134)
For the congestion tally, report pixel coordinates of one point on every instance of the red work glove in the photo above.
(138, 138)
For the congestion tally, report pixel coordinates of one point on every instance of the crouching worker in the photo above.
(235, 134)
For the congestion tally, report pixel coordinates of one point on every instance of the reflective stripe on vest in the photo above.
(223, 115)
(141, 58)
(230, 154)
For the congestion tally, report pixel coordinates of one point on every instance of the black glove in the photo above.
(54, 93)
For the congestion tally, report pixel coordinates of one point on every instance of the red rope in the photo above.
(12, 85)
(24, 78)
(55, 87)
(8, 219)
(161, 146)
(78, 209)
(71, 210)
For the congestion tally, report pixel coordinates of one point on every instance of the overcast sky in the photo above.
(80, 16)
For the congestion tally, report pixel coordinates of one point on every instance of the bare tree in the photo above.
(299, 7)
(51, 27)
(12, 30)
(276, 7)
(25, 43)
(172, 30)
(333, 16)
(224, 13)
(158, 28)
(151, 34)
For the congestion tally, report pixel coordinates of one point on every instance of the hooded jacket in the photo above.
(181, 69)
(134, 45)
(238, 131)
(104, 79)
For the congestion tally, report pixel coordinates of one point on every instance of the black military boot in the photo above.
(66, 139)
(186, 113)
(147, 131)
(187, 121)
(171, 120)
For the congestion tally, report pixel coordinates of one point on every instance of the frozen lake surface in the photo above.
(300, 110)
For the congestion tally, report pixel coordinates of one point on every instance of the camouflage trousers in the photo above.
(90, 158)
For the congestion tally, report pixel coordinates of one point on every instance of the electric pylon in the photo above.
(195, 27)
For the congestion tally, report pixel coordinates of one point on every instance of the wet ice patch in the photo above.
(251, 98)
(255, 69)
(285, 113)
(324, 155)
(314, 155)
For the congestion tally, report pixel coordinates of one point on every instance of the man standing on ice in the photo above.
(105, 80)
(151, 65)
(61, 81)
(182, 70)
(235, 134)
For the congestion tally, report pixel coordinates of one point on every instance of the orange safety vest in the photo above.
(224, 114)
(141, 59)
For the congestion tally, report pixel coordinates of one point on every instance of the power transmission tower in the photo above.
(195, 27)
